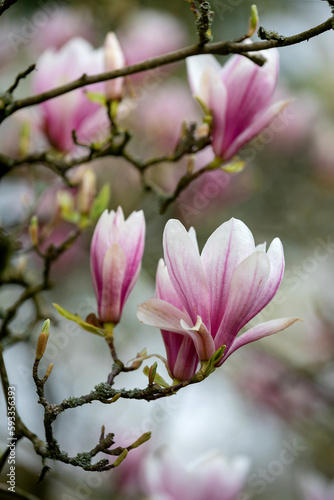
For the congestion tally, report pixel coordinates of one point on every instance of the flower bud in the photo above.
(48, 371)
(113, 59)
(87, 192)
(253, 21)
(33, 230)
(43, 340)
(116, 253)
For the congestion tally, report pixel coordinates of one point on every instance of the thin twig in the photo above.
(20, 76)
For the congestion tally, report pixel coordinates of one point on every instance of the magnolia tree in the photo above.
(84, 106)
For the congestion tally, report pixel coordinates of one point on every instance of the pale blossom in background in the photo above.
(275, 385)
(149, 33)
(211, 476)
(61, 25)
(116, 252)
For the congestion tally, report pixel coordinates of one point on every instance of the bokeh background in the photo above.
(269, 396)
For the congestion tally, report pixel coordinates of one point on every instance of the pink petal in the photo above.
(161, 314)
(231, 243)
(260, 122)
(185, 271)
(258, 332)
(268, 290)
(218, 103)
(181, 353)
(202, 339)
(114, 267)
(250, 89)
(196, 66)
(99, 247)
(247, 281)
(132, 240)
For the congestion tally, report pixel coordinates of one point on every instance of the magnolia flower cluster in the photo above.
(202, 300)
(211, 477)
(237, 95)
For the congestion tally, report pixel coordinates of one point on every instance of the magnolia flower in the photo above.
(211, 477)
(72, 111)
(149, 33)
(213, 295)
(238, 95)
(113, 59)
(116, 253)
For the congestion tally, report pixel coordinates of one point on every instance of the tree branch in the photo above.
(223, 48)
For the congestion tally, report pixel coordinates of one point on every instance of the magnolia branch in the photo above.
(8, 106)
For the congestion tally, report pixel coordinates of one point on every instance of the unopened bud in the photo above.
(43, 340)
(48, 371)
(253, 21)
(65, 201)
(152, 372)
(120, 459)
(33, 230)
(145, 437)
(87, 192)
(113, 59)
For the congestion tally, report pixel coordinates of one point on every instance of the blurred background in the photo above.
(273, 396)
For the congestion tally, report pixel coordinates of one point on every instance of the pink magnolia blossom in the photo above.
(113, 59)
(211, 477)
(149, 33)
(238, 95)
(71, 111)
(116, 252)
(213, 295)
(62, 24)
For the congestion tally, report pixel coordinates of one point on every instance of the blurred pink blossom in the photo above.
(272, 383)
(210, 477)
(322, 153)
(60, 26)
(158, 118)
(149, 33)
